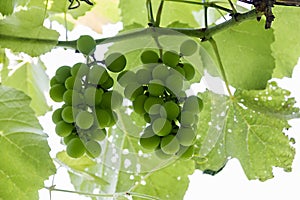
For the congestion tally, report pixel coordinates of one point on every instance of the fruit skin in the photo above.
(149, 140)
(161, 127)
(170, 110)
(169, 144)
(186, 136)
(160, 72)
(149, 56)
(188, 47)
(56, 115)
(86, 44)
(138, 104)
(189, 71)
(97, 75)
(193, 104)
(103, 117)
(62, 73)
(93, 148)
(64, 129)
(156, 87)
(84, 120)
(75, 148)
(115, 62)
(186, 153)
(126, 77)
(56, 92)
(171, 58)
(67, 114)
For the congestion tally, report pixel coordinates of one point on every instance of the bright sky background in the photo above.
(231, 183)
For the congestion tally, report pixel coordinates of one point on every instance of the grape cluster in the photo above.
(88, 100)
(157, 94)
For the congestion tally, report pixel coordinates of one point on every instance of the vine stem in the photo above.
(159, 12)
(215, 48)
(150, 12)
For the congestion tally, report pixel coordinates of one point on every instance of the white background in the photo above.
(230, 183)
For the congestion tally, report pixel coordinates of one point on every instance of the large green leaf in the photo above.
(245, 53)
(24, 152)
(286, 48)
(33, 81)
(7, 6)
(24, 32)
(249, 128)
(61, 6)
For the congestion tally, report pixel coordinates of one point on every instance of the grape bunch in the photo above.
(157, 94)
(88, 100)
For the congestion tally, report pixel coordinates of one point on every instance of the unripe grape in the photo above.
(108, 83)
(170, 110)
(93, 148)
(189, 71)
(160, 72)
(149, 56)
(169, 144)
(97, 75)
(103, 117)
(149, 140)
(160, 154)
(75, 148)
(73, 97)
(143, 76)
(69, 138)
(186, 136)
(73, 83)
(193, 104)
(115, 62)
(162, 127)
(67, 114)
(113, 118)
(174, 83)
(98, 134)
(86, 44)
(84, 120)
(188, 47)
(63, 129)
(92, 96)
(80, 70)
(150, 101)
(187, 118)
(147, 118)
(56, 115)
(111, 99)
(132, 90)
(138, 104)
(56, 92)
(53, 81)
(170, 58)
(126, 77)
(62, 73)
(186, 152)
(155, 110)
(180, 70)
(156, 87)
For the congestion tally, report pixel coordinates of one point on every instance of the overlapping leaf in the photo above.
(249, 128)
(24, 152)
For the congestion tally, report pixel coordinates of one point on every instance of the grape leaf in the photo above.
(24, 32)
(249, 128)
(61, 6)
(25, 161)
(286, 31)
(33, 81)
(245, 53)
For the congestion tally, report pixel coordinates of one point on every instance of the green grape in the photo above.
(180, 70)
(115, 62)
(56, 92)
(169, 144)
(69, 138)
(138, 104)
(97, 75)
(67, 114)
(126, 77)
(150, 101)
(149, 140)
(149, 56)
(75, 148)
(94, 149)
(92, 96)
(62, 73)
(111, 99)
(104, 118)
(156, 87)
(80, 70)
(162, 127)
(53, 81)
(188, 47)
(73, 97)
(113, 118)
(132, 90)
(189, 71)
(84, 120)
(56, 115)
(86, 44)
(161, 155)
(186, 153)
(170, 110)
(171, 58)
(187, 118)
(108, 83)
(63, 129)
(186, 136)
(154, 111)
(143, 76)
(73, 83)
(147, 118)
(160, 72)
(193, 104)
(98, 134)
(174, 83)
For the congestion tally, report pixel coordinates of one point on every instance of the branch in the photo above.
(202, 33)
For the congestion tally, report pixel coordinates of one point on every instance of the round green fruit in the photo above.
(193, 104)
(115, 62)
(188, 47)
(171, 58)
(56, 92)
(86, 44)
(186, 136)
(149, 56)
(63, 129)
(62, 73)
(169, 144)
(75, 148)
(162, 127)
(84, 120)
(93, 148)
